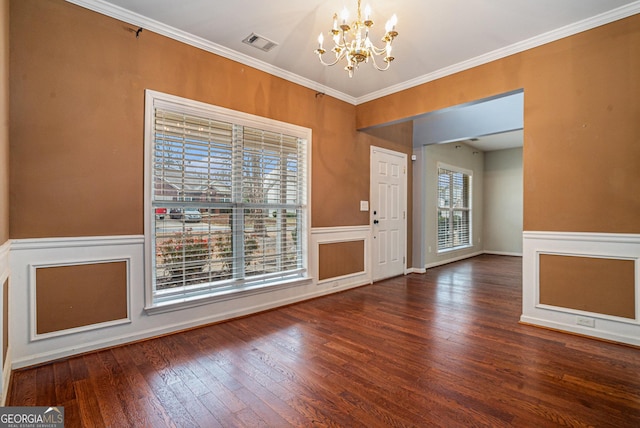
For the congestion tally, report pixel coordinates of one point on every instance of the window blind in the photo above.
(235, 200)
(454, 209)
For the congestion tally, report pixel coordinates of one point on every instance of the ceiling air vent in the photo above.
(259, 42)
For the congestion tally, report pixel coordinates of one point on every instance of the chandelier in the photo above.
(352, 42)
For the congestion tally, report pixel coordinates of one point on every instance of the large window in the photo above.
(454, 208)
(227, 201)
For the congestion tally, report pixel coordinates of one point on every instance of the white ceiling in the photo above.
(436, 37)
(501, 141)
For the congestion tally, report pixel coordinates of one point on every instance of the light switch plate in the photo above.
(364, 205)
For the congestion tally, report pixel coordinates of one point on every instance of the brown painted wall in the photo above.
(4, 121)
(603, 286)
(340, 258)
(80, 295)
(581, 129)
(78, 81)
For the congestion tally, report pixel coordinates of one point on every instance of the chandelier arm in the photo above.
(345, 44)
(378, 51)
(375, 64)
(330, 64)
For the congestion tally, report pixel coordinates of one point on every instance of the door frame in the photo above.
(372, 180)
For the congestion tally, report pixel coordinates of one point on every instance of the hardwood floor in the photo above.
(440, 349)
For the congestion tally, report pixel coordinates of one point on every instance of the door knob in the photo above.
(375, 221)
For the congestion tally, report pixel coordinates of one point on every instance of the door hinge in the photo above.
(404, 215)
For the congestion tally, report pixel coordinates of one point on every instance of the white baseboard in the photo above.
(503, 253)
(452, 259)
(466, 256)
(630, 338)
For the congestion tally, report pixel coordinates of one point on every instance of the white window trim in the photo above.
(468, 172)
(155, 99)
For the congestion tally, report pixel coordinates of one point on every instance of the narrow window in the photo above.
(454, 208)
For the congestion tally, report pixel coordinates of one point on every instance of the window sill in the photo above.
(224, 295)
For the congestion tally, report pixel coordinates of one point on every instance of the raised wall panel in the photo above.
(341, 258)
(75, 296)
(591, 284)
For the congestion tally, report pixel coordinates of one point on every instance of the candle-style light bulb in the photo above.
(367, 13)
(320, 41)
(390, 27)
(344, 15)
(394, 21)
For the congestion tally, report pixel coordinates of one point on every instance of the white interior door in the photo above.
(388, 212)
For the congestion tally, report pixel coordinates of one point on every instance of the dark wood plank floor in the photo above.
(440, 349)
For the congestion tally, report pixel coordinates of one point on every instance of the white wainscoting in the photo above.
(5, 366)
(26, 254)
(28, 348)
(605, 245)
(332, 235)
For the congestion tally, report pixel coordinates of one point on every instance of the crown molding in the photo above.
(125, 15)
(533, 42)
(138, 20)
